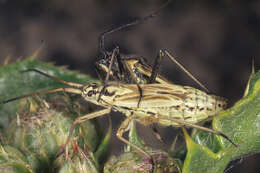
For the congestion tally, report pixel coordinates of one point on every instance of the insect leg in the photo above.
(185, 70)
(156, 67)
(120, 133)
(140, 94)
(121, 68)
(184, 123)
(156, 133)
(98, 71)
(115, 52)
(81, 120)
(115, 55)
(121, 130)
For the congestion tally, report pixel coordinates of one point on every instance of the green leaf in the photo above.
(14, 82)
(206, 153)
(42, 137)
(241, 123)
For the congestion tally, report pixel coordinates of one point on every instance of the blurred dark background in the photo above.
(215, 40)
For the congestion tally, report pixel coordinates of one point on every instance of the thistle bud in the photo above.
(132, 162)
(13, 161)
(41, 133)
(78, 161)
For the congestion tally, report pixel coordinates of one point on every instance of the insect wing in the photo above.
(151, 96)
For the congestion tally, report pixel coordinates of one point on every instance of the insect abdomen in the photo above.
(197, 106)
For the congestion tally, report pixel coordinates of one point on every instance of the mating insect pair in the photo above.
(166, 104)
(142, 95)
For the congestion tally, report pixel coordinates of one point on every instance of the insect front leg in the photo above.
(81, 120)
(114, 54)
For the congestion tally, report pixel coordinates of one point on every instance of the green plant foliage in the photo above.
(39, 128)
(14, 82)
(132, 162)
(79, 162)
(206, 153)
(241, 123)
(41, 134)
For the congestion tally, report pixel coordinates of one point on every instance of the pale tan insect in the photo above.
(134, 70)
(165, 104)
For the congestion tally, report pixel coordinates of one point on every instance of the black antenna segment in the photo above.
(118, 28)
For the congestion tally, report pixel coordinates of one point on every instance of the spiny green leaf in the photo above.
(241, 123)
(14, 82)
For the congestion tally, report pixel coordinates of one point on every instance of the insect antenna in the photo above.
(76, 87)
(72, 84)
(133, 23)
(116, 50)
(68, 90)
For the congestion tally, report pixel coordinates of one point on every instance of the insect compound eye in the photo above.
(90, 90)
(90, 93)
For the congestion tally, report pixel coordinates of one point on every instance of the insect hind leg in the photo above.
(184, 123)
(158, 61)
(184, 70)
